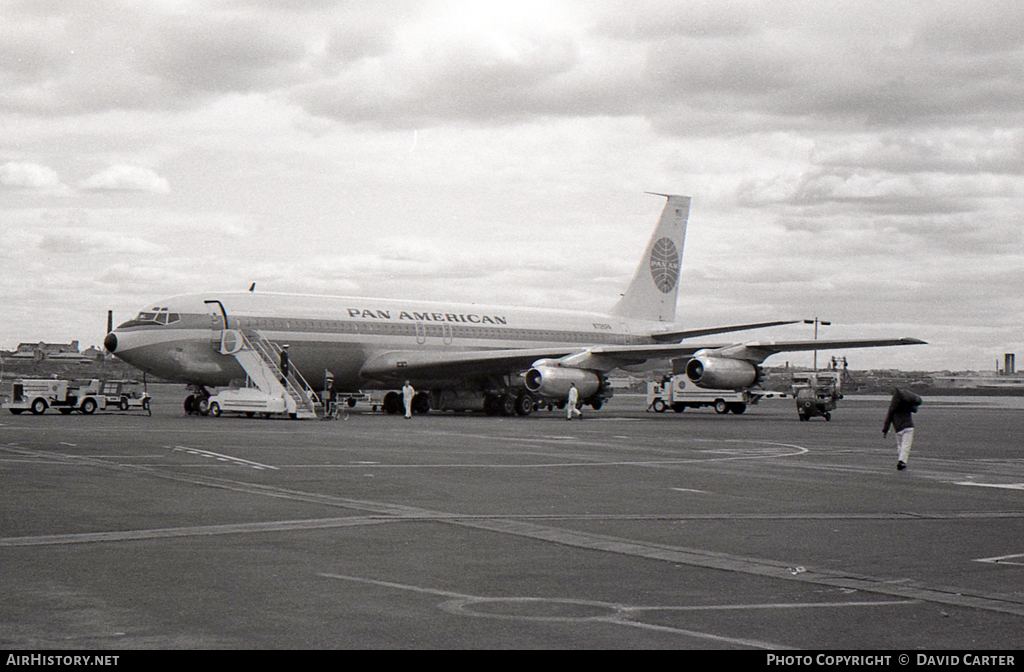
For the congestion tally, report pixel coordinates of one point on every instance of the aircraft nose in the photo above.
(110, 342)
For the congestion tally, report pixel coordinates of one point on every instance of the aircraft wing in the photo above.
(756, 352)
(441, 365)
(669, 336)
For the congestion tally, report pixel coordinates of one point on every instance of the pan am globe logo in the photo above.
(665, 265)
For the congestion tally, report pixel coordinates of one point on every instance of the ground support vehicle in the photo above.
(816, 393)
(678, 392)
(125, 395)
(247, 400)
(338, 405)
(38, 394)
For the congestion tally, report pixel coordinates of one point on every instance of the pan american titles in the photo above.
(470, 318)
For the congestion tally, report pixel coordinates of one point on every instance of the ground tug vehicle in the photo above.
(817, 393)
(86, 396)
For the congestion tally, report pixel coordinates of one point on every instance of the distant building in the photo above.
(65, 352)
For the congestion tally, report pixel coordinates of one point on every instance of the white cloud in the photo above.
(19, 175)
(499, 153)
(127, 178)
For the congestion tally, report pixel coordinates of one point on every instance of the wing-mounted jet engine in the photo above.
(555, 381)
(722, 373)
(547, 378)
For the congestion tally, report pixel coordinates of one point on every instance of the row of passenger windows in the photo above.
(429, 330)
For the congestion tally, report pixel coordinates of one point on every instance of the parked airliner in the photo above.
(499, 359)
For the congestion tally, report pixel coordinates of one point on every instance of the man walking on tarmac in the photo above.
(571, 404)
(901, 406)
(408, 392)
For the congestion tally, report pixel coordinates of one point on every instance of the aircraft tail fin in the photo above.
(652, 293)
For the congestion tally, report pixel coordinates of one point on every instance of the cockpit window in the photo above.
(158, 316)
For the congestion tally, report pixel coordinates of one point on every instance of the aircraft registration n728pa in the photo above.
(499, 359)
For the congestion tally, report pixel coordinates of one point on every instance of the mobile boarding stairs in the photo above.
(260, 358)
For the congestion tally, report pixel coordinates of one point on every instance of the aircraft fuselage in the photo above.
(178, 339)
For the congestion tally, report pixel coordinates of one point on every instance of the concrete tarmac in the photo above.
(624, 530)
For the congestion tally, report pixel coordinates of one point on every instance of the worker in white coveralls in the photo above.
(572, 405)
(408, 392)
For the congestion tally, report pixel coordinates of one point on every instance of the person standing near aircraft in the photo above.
(408, 393)
(284, 361)
(901, 407)
(572, 405)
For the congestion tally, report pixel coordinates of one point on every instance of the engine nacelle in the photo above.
(721, 373)
(554, 381)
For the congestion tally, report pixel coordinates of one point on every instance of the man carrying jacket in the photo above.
(901, 406)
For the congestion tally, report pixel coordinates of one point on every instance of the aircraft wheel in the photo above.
(679, 407)
(215, 409)
(189, 404)
(89, 406)
(507, 405)
(65, 411)
(738, 408)
(203, 405)
(524, 404)
(597, 404)
(421, 403)
(38, 407)
(721, 407)
(392, 403)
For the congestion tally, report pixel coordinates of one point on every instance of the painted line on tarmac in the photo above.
(224, 458)
(461, 604)
(1001, 486)
(195, 531)
(1004, 559)
(588, 541)
(745, 565)
(780, 605)
(769, 451)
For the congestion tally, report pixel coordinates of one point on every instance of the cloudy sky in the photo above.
(861, 162)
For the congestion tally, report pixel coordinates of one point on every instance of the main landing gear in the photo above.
(197, 403)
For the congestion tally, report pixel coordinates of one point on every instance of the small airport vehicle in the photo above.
(678, 393)
(247, 400)
(125, 395)
(86, 396)
(38, 394)
(816, 393)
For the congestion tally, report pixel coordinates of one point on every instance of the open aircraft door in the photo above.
(219, 332)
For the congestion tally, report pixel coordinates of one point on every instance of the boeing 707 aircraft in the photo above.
(498, 359)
